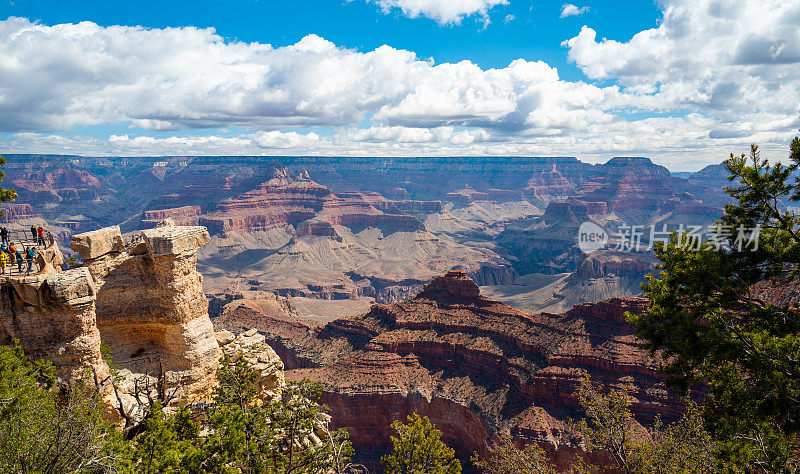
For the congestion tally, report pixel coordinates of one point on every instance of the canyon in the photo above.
(450, 287)
(339, 234)
(133, 318)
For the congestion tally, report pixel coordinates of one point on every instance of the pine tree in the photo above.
(5, 194)
(418, 449)
(50, 429)
(709, 318)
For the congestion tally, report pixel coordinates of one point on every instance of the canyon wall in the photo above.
(477, 367)
(363, 227)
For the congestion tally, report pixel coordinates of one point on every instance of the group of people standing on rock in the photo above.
(19, 253)
(38, 234)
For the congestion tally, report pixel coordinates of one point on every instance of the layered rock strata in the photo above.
(13, 212)
(183, 215)
(287, 200)
(52, 315)
(477, 367)
(151, 310)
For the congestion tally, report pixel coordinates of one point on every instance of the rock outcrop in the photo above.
(260, 357)
(144, 301)
(53, 317)
(608, 263)
(151, 309)
(477, 367)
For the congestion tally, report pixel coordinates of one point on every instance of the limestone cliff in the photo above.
(53, 317)
(144, 301)
(151, 310)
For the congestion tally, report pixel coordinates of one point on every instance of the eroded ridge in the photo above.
(477, 367)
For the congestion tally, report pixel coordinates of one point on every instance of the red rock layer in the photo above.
(35, 183)
(12, 212)
(401, 206)
(475, 366)
(550, 183)
(287, 201)
(184, 215)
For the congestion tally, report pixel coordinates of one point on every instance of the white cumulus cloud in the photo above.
(569, 9)
(56, 77)
(443, 11)
(711, 77)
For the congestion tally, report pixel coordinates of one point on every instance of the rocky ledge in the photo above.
(143, 300)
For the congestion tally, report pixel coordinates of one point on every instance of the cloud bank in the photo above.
(712, 77)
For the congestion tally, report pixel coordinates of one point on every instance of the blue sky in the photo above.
(672, 80)
(536, 32)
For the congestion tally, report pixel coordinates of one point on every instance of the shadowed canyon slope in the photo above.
(477, 367)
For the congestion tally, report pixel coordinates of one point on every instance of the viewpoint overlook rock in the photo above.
(476, 367)
(143, 300)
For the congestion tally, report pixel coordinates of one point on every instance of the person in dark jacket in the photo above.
(4, 235)
(18, 256)
(33, 231)
(29, 254)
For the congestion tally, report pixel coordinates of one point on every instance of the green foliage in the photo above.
(684, 446)
(72, 261)
(47, 429)
(418, 449)
(168, 444)
(505, 457)
(608, 425)
(712, 325)
(681, 447)
(246, 433)
(609, 429)
(5, 194)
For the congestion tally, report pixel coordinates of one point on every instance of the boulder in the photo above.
(224, 337)
(71, 288)
(97, 243)
(175, 240)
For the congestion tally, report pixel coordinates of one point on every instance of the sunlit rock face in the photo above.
(144, 301)
(151, 310)
(53, 317)
(289, 200)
